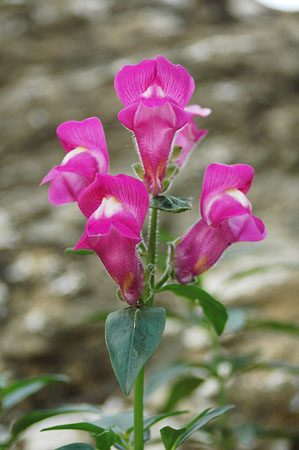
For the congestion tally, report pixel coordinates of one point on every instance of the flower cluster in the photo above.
(155, 94)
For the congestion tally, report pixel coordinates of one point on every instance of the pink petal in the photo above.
(123, 221)
(154, 130)
(247, 228)
(120, 258)
(175, 81)
(88, 133)
(199, 250)
(65, 187)
(196, 110)
(69, 179)
(132, 81)
(129, 191)
(187, 138)
(220, 177)
(223, 206)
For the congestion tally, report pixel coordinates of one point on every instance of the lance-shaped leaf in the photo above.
(21, 389)
(90, 427)
(132, 336)
(37, 416)
(77, 446)
(171, 204)
(173, 438)
(214, 311)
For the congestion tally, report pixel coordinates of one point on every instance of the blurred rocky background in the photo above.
(58, 60)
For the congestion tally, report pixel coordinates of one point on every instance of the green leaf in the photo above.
(90, 427)
(120, 423)
(202, 419)
(150, 421)
(274, 325)
(214, 311)
(171, 204)
(81, 251)
(21, 389)
(105, 440)
(170, 436)
(77, 446)
(132, 336)
(181, 389)
(287, 367)
(165, 375)
(37, 416)
(173, 438)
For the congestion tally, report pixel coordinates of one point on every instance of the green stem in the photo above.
(151, 255)
(139, 383)
(138, 411)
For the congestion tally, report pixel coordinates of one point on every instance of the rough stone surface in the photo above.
(58, 60)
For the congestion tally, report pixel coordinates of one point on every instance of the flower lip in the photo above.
(132, 81)
(231, 201)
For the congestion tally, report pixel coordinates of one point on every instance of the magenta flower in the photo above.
(190, 135)
(226, 218)
(85, 145)
(116, 207)
(154, 93)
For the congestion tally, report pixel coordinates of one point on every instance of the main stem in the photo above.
(139, 383)
(138, 411)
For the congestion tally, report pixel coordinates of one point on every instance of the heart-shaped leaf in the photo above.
(132, 336)
(171, 204)
(214, 311)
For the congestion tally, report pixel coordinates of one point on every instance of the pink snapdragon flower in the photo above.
(86, 155)
(154, 93)
(226, 218)
(190, 135)
(116, 207)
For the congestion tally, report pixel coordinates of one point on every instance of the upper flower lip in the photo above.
(88, 133)
(171, 82)
(220, 177)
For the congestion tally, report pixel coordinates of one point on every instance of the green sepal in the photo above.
(168, 203)
(81, 251)
(175, 153)
(214, 311)
(132, 336)
(138, 170)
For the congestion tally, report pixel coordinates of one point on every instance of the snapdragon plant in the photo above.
(155, 95)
